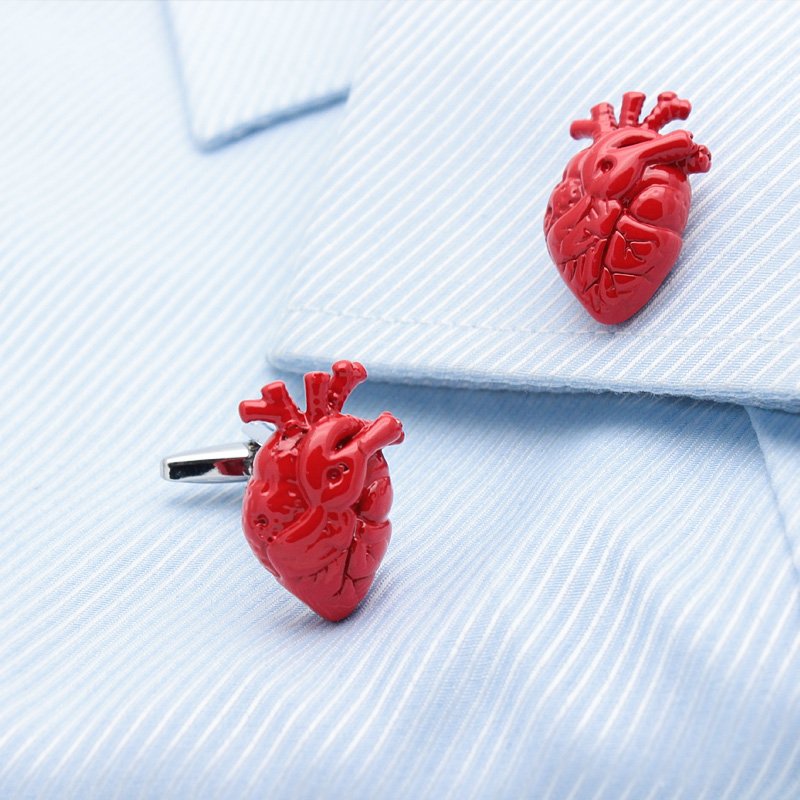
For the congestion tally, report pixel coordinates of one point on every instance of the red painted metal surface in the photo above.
(316, 508)
(614, 225)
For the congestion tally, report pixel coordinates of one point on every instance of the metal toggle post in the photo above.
(224, 463)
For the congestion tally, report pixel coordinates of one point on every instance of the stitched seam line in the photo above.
(490, 329)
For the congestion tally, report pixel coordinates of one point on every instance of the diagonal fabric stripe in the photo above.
(779, 437)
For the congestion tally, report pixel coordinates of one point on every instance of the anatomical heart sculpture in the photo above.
(316, 508)
(614, 225)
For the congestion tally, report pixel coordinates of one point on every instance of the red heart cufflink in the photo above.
(318, 496)
(614, 225)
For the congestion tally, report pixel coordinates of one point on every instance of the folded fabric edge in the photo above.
(778, 437)
(308, 339)
(257, 124)
(478, 381)
(208, 142)
(174, 47)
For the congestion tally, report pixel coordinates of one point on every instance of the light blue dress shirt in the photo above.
(588, 594)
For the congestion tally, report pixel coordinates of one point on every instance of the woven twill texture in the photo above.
(587, 596)
(248, 65)
(427, 257)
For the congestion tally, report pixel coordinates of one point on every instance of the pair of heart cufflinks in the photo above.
(316, 507)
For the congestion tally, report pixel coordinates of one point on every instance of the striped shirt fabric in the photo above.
(587, 595)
